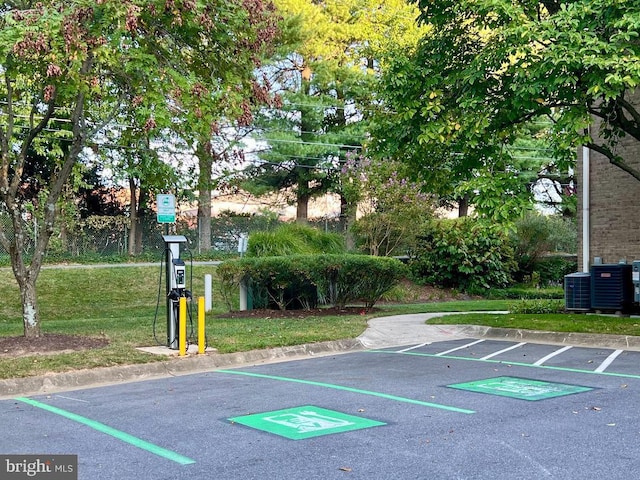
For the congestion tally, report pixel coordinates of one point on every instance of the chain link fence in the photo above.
(109, 236)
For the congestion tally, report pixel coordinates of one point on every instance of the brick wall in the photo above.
(614, 208)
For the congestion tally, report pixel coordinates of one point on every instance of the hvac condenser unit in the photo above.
(577, 292)
(636, 280)
(611, 287)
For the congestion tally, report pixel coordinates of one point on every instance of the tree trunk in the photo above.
(348, 213)
(26, 281)
(133, 216)
(143, 197)
(205, 162)
(303, 194)
(30, 312)
(27, 275)
(463, 206)
(302, 209)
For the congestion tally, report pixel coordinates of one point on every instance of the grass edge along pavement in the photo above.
(121, 305)
(550, 322)
(163, 365)
(227, 335)
(125, 305)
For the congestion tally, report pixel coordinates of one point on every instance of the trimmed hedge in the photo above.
(305, 281)
(537, 307)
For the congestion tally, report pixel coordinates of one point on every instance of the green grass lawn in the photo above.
(555, 322)
(123, 304)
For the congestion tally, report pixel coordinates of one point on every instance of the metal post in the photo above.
(243, 295)
(201, 325)
(182, 336)
(208, 301)
(586, 207)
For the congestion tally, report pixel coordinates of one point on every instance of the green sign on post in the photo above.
(166, 206)
(305, 422)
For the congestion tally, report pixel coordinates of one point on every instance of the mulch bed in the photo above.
(48, 343)
(314, 312)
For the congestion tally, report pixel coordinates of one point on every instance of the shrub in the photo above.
(538, 306)
(564, 234)
(348, 278)
(552, 269)
(524, 292)
(463, 253)
(281, 282)
(530, 241)
(303, 281)
(294, 239)
(535, 237)
(392, 205)
(230, 273)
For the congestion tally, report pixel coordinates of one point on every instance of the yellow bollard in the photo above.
(201, 335)
(182, 327)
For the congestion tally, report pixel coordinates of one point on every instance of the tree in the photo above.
(209, 117)
(67, 68)
(486, 69)
(326, 82)
(393, 209)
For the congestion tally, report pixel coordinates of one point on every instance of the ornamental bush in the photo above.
(305, 281)
(294, 239)
(463, 253)
(534, 239)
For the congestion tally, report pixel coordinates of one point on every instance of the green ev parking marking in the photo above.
(305, 422)
(520, 388)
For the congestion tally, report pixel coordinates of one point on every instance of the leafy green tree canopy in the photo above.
(326, 80)
(68, 68)
(486, 69)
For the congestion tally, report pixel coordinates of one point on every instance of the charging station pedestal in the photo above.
(176, 285)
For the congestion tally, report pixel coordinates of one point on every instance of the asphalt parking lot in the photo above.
(461, 408)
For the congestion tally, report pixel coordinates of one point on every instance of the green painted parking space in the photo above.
(305, 422)
(112, 432)
(520, 388)
(348, 389)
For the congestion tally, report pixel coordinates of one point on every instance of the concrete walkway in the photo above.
(385, 332)
(411, 329)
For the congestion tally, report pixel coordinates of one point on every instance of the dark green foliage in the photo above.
(535, 237)
(304, 281)
(229, 226)
(463, 253)
(347, 278)
(523, 292)
(285, 283)
(294, 239)
(553, 268)
(530, 240)
(537, 306)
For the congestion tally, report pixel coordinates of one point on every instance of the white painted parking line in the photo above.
(459, 348)
(414, 347)
(552, 354)
(495, 354)
(609, 360)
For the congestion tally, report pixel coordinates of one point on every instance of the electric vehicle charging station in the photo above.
(175, 286)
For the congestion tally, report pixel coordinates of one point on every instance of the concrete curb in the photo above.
(618, 342)
(171, 366)
(383, 332)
